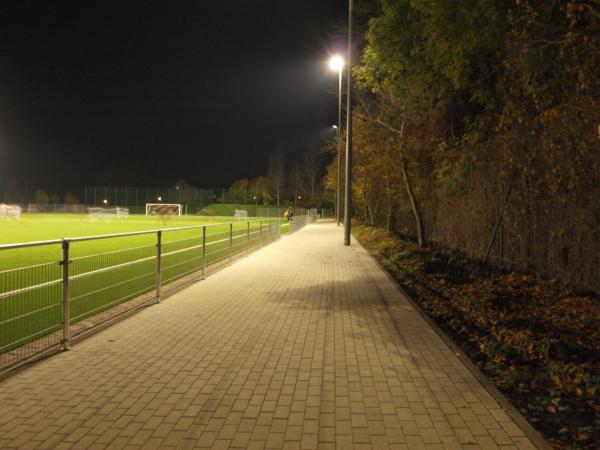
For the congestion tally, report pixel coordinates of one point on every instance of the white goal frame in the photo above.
(10, 211)
(98, 212)
(149, 207)
(241, 214)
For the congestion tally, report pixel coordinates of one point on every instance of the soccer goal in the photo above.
(163, 209)
(107, 213)
(241, 214)
(10, 211)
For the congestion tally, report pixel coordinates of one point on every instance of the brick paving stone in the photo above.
(304, 344)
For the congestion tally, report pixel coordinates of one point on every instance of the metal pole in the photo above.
(203, 250)
(230, 240)
(260, 233)
(248, 238)
(66, 343)
(158, 263)
(339, 153)
(348, 196)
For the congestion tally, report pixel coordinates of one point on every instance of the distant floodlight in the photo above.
(335, 127)
(159, 199)
(299, 197)
(105, 201)
(336, 63)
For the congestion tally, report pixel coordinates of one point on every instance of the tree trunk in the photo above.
(413, 204)
(365, 200)
(388, 216)
(497, 226)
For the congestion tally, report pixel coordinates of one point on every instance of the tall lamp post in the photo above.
(348, 196)
(337, 64)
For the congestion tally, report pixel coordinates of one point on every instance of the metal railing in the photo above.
(298, 222)
(44, 306)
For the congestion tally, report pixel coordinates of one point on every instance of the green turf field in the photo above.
(104, 273)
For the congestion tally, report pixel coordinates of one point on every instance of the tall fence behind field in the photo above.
(43, 307)
(135, 198)
(68, 208)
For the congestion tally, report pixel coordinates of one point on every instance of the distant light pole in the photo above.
(337, 64)
(348, 196)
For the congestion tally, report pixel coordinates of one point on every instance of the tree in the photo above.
(385, 111)
(239, 190)
(70, 198)
(310, 172)
(41, 197)
(276, 175)
(259, 189)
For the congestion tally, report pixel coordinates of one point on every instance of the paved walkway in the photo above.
(293, 347)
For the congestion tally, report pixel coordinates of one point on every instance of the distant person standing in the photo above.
(290, 213)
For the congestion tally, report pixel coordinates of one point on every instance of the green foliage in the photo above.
(452, 167)
(70, 198)
(430, 51)
(41, 197)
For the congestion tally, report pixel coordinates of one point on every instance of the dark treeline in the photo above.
(478, 127)
(285, 183)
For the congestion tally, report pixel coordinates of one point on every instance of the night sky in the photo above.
(146, 92)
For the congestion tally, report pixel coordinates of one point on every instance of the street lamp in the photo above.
(348, 193)
(336, 63)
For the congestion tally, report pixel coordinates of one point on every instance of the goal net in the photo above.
(240, 214)
(163, 209)
(107, 213)
(10, 211)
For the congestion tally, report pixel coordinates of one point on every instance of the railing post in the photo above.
(230, 240)
(66, 343)
(158, 263)
(278, 228)
(203, 250)
(248, 238)
(260, 233)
